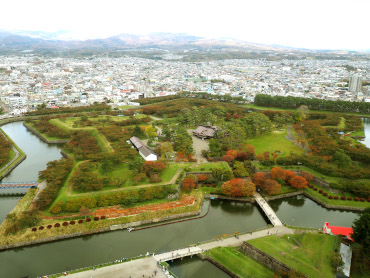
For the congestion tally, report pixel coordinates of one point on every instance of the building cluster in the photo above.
(29, 81)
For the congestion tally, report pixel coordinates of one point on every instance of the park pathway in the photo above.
(292, 139)
(269, 212)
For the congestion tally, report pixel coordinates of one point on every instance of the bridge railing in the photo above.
(177, 256)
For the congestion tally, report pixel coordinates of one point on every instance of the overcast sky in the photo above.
(334, 24)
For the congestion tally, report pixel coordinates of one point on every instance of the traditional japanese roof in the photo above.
(205, 131)
(336, 230)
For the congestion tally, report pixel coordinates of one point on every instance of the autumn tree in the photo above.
(228, 158)
(271, 186)
(278, 173)
(232, 153)
(259, 178)
(238, 188)
(152, 167)
(298, 182)
(189, 183)
(289, 175)
(307, 176)
(84, 211)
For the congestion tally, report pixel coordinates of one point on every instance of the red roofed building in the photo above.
(335, 230)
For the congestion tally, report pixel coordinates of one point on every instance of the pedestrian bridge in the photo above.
(269, 212)
(23, 184)
(177, 254)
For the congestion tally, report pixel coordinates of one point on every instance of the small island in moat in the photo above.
(159, 161)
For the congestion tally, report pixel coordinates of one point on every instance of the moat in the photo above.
(224, 217)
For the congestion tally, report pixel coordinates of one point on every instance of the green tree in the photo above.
(361, 231)
(341, 159)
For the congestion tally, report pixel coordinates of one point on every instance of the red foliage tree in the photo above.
(189, 183)
(271, 186)
(232, 153)
(298, 182)
(307, 176)
(202, 177)
(259, 178)
(278, 173)
(238, 188)
(227, 158)
(289, 175)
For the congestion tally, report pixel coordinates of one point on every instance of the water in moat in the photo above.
(224, 217)
(38, 155)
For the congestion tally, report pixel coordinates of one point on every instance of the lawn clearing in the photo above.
(311, 256)
(207, 167)
(239, 263)
(274, 141)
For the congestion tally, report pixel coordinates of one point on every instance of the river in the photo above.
(224, 217)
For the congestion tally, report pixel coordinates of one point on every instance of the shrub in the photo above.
(41, 227)
(80, 221)
(362, 199)
(336, 198)
(330, 197)
(96, 218)
(57, 225)
(208, 185)
(88, 220)
(57, 208)
(49, 226)
(72, 222)
(349, 198)
(321, 191)
(34, 229)
(65, 224)
(356, 199)
(214, 185)
(102, 217)
(202, 177)
(343, 198)
(368, 200)
(154, 178)
(315, 188)
(311, 186)
(325, 194)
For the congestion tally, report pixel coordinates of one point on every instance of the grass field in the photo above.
(338, 202)
(274, 141)
(207, 167)
(307, 253)
(239, 263)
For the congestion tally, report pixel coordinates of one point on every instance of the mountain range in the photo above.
(62, 40)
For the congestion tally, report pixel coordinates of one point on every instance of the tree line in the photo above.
(313, 104)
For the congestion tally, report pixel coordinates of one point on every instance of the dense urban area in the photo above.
(30, 81)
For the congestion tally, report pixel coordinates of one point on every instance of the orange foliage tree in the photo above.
(298, 182)
(238, 188)
(202, 177)
(259, 178)
(271, 186)
(228, 158)
(289, 175)
(277, 173)
(232, 153)
(306, 175)
(189, 183)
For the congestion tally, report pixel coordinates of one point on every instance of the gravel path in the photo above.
(292, 139)
(198, 146)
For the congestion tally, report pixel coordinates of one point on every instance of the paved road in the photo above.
(136, 269)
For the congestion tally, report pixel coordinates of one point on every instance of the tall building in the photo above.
(355, 83)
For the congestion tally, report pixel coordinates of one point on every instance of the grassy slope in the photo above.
(207, 167)
(311, 258)
(239, 263)
(274, 141)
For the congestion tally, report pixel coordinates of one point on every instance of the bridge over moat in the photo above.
(23, 184)
(269, 212)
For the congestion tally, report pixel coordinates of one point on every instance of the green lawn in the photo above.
(338, 202)
(207, 167)
(311, 256)
(358, 133)
(239, 263)
(50, 138)
(274, 141)
(126, 107)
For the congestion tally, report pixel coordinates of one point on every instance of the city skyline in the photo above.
(315, 25)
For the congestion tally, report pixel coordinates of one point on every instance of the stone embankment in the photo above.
(39, 135)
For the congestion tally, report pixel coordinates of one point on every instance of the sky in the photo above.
(316, 24)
